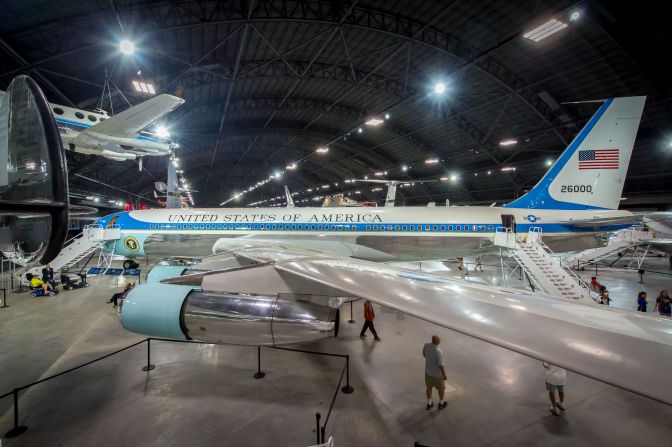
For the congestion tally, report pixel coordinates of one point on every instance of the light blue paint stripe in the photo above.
(159, 272)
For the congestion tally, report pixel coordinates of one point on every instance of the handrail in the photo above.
(19, 429)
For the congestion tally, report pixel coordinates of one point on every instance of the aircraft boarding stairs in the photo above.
(623, 240)
(544, 272)
(92, 238)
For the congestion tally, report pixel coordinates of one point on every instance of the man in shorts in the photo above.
(435, 375)
(556, 379)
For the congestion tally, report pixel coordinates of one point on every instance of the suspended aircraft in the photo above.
(119, 137)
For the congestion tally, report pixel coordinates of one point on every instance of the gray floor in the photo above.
(205, 395)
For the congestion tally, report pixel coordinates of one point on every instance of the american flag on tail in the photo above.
(599, 159)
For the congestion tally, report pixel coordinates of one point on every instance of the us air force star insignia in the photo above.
(532, 218)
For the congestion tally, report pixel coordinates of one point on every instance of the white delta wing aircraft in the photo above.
(278, 276)
(119, 137)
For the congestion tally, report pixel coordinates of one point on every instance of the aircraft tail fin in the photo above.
(591, 171)
(288, 198)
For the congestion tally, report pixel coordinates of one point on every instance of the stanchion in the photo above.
(17, 429)
(351, 320)
(149, 365)
(4, 299)
(259, 374)
(317, 426)
(347, 389)
(641, 276)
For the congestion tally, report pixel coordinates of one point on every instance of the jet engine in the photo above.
(188, 313)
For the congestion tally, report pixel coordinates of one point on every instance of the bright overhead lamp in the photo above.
(404, 168)
(549, 162)
(360, 130)
(431, 161)
(325, 186)
(444, 179)
(439, 88)
(507, 169)
(379, 174)
(291, 166)
(453, 177)
(277, 175)
(509, 142)
(545, 30)
(374, 122)
(322, 150)
(347, 181)
(126, 46)
(489, 172)
(162, 132)
(575, 16)
(387, 116)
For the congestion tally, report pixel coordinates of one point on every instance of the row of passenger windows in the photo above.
(322, 227)
(80, 115)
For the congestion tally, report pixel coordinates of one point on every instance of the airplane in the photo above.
(119, 137)
(279, 276)
(575, 201)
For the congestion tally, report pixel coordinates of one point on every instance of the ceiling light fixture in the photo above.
(545, 30)
(507, 169)
(126, 46)
(374, 122)
(322, 150)
(291, 166)
(431, 161)
(439, 88)
(509, 142)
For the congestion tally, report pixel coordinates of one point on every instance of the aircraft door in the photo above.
(509, 221)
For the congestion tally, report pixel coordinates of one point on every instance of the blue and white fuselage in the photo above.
(379, 234)
(576, 199)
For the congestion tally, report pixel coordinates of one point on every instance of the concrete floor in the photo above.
(205, 395)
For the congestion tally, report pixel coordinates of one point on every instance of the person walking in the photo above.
(478, 267)
(435, 374)
(369, 315)
(641, 302)
(663, 304)
(556, 379)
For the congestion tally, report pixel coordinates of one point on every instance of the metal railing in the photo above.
(19, 429)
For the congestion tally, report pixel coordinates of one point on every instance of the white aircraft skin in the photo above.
(569, 205)
(78, 131)
(282, 273)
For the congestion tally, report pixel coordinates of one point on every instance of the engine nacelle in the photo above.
(186, 313)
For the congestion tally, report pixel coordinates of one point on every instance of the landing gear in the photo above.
(129, 264)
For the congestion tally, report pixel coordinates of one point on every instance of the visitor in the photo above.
(120, 295)
(36, 283)
(641, 302)
(556, 379)
(435, 374)
(663, 304)
(369, 315)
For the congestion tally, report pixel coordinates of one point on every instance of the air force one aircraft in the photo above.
(279, 276)
(119, 137)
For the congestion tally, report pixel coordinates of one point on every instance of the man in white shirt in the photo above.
(556, 379)
(435, 375)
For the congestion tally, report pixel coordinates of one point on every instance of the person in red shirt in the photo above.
(369, 315)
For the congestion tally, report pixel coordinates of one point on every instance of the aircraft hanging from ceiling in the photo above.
(119, 137)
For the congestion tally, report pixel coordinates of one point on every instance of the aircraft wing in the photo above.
(603, 221)
(131, 121)
(625, 349)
